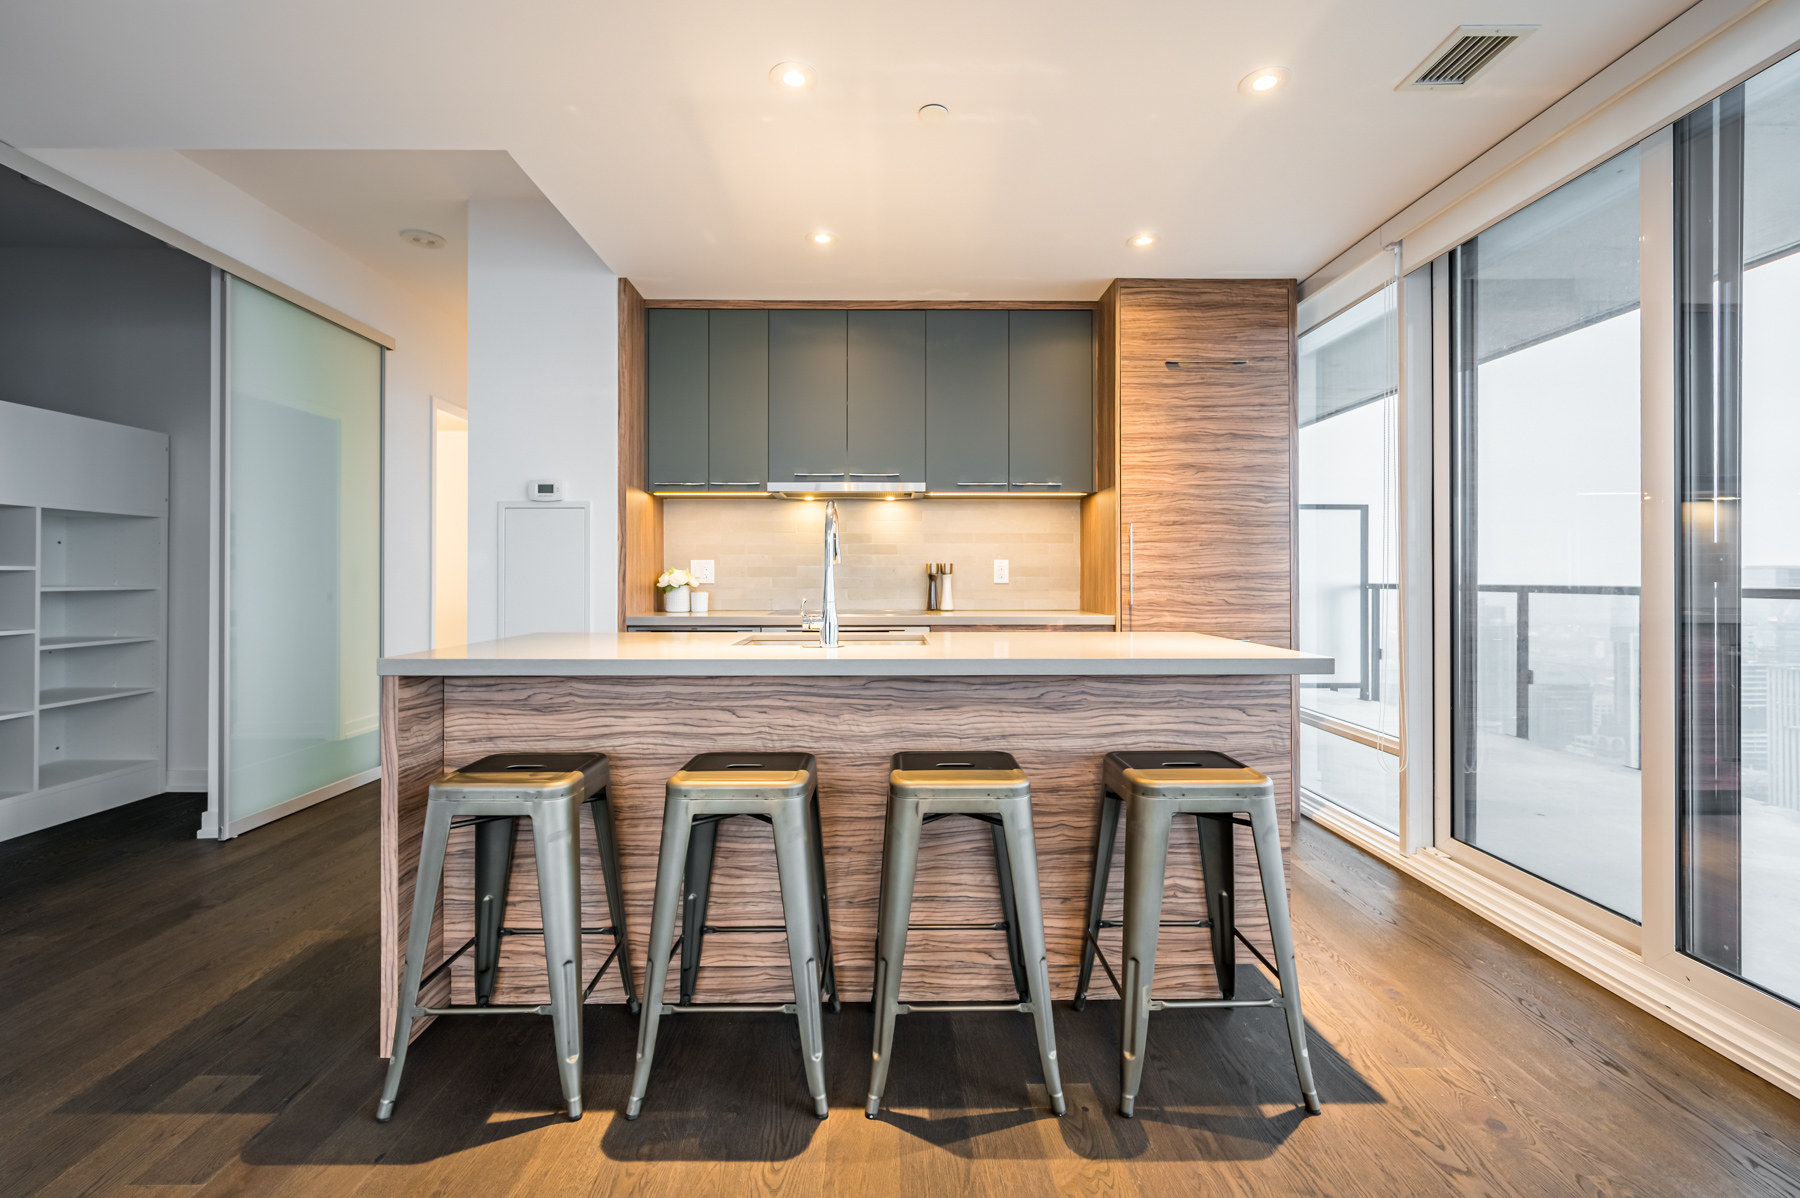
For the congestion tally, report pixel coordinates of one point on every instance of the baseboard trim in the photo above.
(238, 827)
(186, 781)
(1770, 1056)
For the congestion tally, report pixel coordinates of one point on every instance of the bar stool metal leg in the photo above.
(1009, 914)
(600, 807)
(1218, 877)
(799, 905)
(677, 822)
(493, 871)
(1268, 856)
(824, 905)
(696, 893)
(558, 869)
(1147, 825)
(899, 862)
(435, 843)
(1021, 845)
(1110, 806)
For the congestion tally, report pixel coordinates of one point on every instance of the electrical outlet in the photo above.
(1002, 570)
(702, 569)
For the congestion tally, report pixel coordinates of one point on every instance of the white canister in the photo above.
(700, 601)
(675, 600)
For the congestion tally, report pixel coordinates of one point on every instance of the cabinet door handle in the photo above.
(1177, 364)
(677, 484)
(981, 484)
(754, 484)
(865, 474)
(1055, 486)
(802, 474)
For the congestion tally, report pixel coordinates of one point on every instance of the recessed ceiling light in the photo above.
(1261, 83)
(933, 114)
(425, 239)
(820, 238)
(791, 76)
(1141, 240)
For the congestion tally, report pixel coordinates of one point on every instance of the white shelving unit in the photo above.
(83, 619)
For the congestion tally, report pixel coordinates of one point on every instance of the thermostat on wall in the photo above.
(544, 490)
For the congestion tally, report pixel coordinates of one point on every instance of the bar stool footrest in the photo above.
(1182, 1004)
(421, 1012)
(731, 1008)
(1023, 1008)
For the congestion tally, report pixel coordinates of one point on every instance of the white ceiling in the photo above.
(360, 200)
(654, 129)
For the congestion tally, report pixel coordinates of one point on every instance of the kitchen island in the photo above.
(1058, 701)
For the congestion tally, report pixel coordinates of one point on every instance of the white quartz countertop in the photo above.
(954, 652)
(879, 618)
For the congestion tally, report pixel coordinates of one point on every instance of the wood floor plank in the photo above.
(225, 1045)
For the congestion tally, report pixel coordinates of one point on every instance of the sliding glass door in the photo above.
(1737, 175)
(302, 555)
(1349, 559)
(1545, 539)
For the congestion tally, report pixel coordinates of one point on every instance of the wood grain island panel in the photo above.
(1059, 726)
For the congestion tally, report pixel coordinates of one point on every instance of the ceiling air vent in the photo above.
(1465, 54)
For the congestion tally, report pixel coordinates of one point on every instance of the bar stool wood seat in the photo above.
(782, 790)
(986, 786)
(1152, 788)
(491, 795)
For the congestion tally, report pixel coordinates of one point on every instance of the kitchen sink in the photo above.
(810, 640)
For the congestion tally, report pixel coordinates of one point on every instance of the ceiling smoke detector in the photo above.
(1464, 55)
(425, 239)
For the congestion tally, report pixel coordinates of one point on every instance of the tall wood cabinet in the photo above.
(1204, 372)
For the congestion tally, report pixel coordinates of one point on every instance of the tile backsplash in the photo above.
(768, 553)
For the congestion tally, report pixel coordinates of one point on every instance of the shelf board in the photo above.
(61, 773)
(64, 589)
(16, 631)
(13, 715)
(87, 642)
(69, 696)
(15, 569)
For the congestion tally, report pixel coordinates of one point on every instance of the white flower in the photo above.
(671, 580)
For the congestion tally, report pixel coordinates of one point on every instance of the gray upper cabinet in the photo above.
(965, 400)
(808, 412)
(887, 396)
(738, 411)
(675, 389)
(1051, 401)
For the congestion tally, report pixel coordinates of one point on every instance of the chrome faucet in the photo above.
(828, 620)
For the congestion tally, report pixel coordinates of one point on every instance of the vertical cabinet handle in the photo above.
(1130, 575)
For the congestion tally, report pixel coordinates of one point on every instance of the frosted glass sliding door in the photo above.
(302, 554)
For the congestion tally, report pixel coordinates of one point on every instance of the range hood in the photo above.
(849, 485)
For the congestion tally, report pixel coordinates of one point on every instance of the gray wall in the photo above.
(124, 334)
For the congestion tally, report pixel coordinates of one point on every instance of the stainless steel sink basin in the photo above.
(810, 640)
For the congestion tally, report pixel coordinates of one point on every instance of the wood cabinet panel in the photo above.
(1058, 727)
(1206, 454)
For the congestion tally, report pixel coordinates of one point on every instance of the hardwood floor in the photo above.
(186, 1017)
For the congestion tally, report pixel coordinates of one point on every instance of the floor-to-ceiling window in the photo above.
(1349, 559)
(1545, 538)
(1737, 175)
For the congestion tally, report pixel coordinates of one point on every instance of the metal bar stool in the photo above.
(493, 793)
(1153, 788)
(782, 790)
(992, 788)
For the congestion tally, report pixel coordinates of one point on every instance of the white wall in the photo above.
(430, 357)
(543, 388)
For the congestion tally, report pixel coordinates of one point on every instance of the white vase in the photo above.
(700, 601)
(675, 600)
